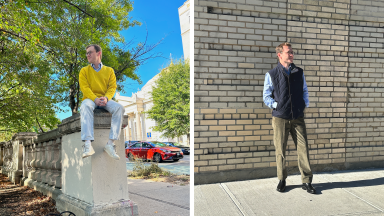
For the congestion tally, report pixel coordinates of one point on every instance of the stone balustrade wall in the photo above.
(38, 159)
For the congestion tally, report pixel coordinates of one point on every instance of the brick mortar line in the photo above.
(292, 18)
(232, 50)
(348, 90)
(268, 13)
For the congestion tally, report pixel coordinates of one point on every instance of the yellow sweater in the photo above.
(97, 84)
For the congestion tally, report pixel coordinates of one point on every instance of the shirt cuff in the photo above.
(274, 105)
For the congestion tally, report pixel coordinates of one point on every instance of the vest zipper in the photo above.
(289, 89)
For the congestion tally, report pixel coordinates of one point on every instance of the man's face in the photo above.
(286, 56)
(92, 55)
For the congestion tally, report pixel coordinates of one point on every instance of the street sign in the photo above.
(149, 135)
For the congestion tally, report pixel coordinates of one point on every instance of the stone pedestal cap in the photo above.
(102, 120)
(24, 136)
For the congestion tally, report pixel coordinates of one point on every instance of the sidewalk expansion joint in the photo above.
(360, 198)
(159, 200)
(233, 198)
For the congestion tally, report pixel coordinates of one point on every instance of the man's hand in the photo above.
(102, 101)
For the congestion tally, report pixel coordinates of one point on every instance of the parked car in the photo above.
(155, 151)
(185, 149)
(129, 143)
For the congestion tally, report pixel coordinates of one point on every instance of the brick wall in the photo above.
(339, 44)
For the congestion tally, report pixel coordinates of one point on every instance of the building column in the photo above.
(131, 117)
(138, 126)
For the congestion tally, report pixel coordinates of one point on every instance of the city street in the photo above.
(180, 167)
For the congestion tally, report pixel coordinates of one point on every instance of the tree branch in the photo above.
(10, 89)
(39, 125)
(25, 39)
(78, 8)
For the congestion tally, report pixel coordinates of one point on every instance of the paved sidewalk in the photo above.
(159, 198)
(356, 192)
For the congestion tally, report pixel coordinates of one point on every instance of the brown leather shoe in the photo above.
(310, 189)
(281, 186)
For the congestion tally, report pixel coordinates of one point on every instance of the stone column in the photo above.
(96, 185)
(132, 129)
(138, 126)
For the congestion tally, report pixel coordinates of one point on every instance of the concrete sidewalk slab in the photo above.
(214, 200)
(339, 193)
(159, 198)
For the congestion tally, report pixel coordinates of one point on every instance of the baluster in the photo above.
(49, 159)
(56, 164)
(36, 162)
(43, 162)
(28, 159)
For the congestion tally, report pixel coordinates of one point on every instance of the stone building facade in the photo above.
(338, 43)
(139, 125)
(185, 21)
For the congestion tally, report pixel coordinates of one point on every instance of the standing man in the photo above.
(286, 92)
(98, 84)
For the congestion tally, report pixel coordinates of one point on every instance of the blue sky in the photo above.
(161, 19)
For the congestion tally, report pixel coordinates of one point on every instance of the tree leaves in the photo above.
(42, 49)
(171, 100)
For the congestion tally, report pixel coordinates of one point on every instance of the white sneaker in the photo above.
(111, 150)
(87, 149)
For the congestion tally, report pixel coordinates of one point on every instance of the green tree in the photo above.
(42, 49)
(27, 94)
(171, 101)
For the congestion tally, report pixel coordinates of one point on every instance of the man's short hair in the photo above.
(97, 48)
(279, 49)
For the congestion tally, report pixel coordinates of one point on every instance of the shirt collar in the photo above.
(100, 65)
(282, 67)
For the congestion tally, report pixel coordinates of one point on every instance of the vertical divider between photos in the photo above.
(192, 104)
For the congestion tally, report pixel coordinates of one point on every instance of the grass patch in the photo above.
(155, 173)
(143, 171)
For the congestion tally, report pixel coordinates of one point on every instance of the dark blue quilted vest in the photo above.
(288, 92)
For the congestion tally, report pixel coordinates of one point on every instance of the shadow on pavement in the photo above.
(334, 185)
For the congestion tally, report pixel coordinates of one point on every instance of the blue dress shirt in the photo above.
(97, 70)
(268, 89)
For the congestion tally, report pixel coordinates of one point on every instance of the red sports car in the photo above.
(155, 151)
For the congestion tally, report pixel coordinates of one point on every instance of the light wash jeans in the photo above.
(86, 111)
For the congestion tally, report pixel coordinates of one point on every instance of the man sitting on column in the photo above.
(98, 84)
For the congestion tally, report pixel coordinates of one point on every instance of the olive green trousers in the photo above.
(281, 130)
